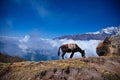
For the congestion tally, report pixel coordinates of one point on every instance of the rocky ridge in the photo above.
(92, 68)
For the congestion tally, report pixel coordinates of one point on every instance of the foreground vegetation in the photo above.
(92, 68)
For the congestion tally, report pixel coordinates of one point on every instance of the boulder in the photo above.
(110, 46)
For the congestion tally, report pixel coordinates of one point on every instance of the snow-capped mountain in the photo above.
(108, 30)
(98, 35)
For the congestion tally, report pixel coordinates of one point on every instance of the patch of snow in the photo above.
(108, 30)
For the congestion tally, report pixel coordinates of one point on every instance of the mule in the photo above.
(72, 47)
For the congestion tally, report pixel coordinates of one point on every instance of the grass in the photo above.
(31, 68)
(25, 70)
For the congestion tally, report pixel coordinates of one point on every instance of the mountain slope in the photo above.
(98, 35)
(93, 68)
(9, 59)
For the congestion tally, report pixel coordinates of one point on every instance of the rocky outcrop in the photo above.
(115, 43)
(103, 48)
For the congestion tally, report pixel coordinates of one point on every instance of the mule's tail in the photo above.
(59, 51)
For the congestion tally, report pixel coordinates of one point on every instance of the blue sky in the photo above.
(52, 18)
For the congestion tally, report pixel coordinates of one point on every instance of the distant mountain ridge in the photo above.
(5, 58)
(98, 35)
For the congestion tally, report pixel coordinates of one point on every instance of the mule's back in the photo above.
(72, 46)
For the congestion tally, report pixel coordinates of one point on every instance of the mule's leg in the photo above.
(63, 53)
(72, 55)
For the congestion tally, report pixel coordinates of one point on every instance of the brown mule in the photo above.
(72, 47)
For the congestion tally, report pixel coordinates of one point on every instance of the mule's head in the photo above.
(83, 53)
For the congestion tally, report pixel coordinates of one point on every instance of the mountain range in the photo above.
(98, 35)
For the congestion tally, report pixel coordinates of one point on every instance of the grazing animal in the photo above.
(72, 47)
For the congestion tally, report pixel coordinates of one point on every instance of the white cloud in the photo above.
(48, 47)
(52, 46)
(40, 7)
(43, 12)
(25, 39)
